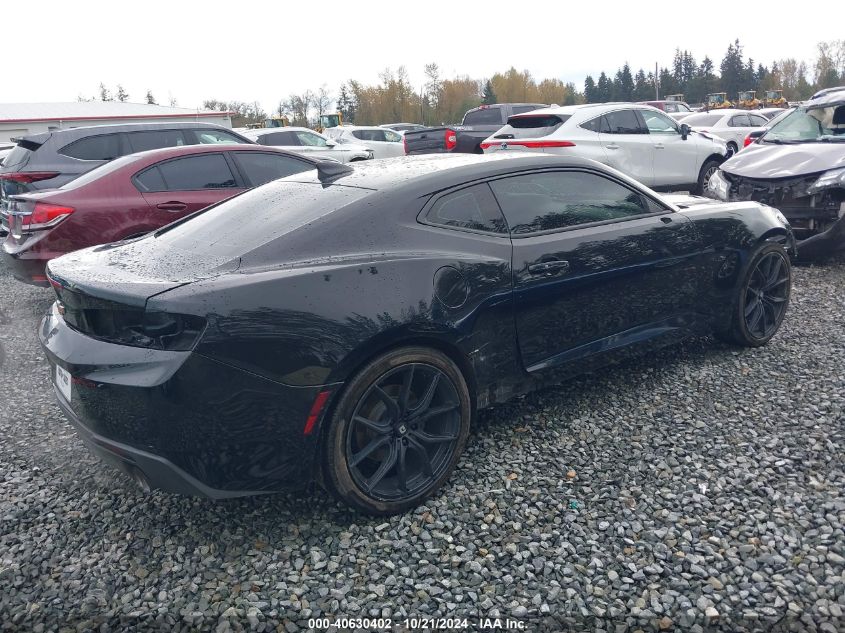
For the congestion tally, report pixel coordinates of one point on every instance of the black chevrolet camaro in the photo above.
(345, 324)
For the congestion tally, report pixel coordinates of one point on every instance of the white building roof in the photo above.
(82, 110)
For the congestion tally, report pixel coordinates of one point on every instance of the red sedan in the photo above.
(131, 196)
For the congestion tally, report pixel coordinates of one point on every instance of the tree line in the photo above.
(735, 74)
(443, 100)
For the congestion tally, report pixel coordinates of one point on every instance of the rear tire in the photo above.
(732, 149)
(761, 298)
(710, 167)
(397, 431)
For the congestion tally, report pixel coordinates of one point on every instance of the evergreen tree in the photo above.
(105, 95)
(121, 93)
(623, 84)
(643, 88)
(733, 70)
(150, 98)
(590, 90)
(488, 96)
(604, 89)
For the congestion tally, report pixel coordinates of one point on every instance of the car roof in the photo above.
(75, 133)
(833, 96)
(590, 108)
(430, 169)
(270, 130)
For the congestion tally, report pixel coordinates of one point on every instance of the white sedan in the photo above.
(384, 143)
(304, 141)
(638, 140)
(731, 125)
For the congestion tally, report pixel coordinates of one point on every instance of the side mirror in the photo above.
(330, 143)
(685, 131)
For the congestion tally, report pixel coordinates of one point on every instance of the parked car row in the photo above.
(250, 312)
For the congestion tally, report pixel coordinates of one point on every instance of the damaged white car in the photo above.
(797, 166)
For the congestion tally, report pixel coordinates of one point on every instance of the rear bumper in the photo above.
(153, 470)
(26, 267)
(188, 423)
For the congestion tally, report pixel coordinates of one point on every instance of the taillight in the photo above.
(528, 144)
(748, 141)
(43, 216)
(451, 139)
(26, 216)
(405, 143)
(27, 177)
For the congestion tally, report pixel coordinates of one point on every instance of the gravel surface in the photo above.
(699, 489)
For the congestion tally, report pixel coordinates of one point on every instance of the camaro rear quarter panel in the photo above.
(227, 428)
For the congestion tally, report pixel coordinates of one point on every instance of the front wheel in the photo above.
(397, 431)
(710, 167)
(761, 298)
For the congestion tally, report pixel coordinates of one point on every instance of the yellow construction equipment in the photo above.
(774, 99)
(330, 120)
(276, 121)
(748, 100)
(717, 101)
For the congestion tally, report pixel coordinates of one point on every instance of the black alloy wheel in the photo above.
(761, 298)
(398, 431)
(767, 295)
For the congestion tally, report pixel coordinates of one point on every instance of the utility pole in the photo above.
(656, 84)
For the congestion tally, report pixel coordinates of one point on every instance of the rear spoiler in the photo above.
(27, 143)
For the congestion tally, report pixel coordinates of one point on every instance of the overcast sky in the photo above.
(265, 50)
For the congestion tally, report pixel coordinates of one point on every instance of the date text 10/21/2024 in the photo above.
(422, 623)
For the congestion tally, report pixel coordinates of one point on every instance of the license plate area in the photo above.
(64, 382)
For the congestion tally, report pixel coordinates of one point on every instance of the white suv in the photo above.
(638, 140)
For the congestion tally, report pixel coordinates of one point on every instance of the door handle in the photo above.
(548, 268)
(611, 146)
(659, 146)
(173, 205)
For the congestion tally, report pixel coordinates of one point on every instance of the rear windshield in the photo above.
(18, 156)
(256, 217)
(702, 119)
(532, 126)
(485, 116)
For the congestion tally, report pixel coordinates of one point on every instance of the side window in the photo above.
(208, 171)
(100, 147)
(484, 116)
(282, 139)
(669, 107)
(659, 123)
(623, 122)
(259, 167)
(213, 137)
(740, 120)
(757, 120)
(471, 208)
(310, 140)
(150, 180)
(392, 137)
(594, 125)
(559, 200)
(155, 139)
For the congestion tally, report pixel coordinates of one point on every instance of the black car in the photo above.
(798, 166)
(345, 324)
(52, 159)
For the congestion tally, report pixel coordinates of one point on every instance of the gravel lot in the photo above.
(699, 489)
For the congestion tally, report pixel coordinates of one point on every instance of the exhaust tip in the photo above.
(139, 478)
